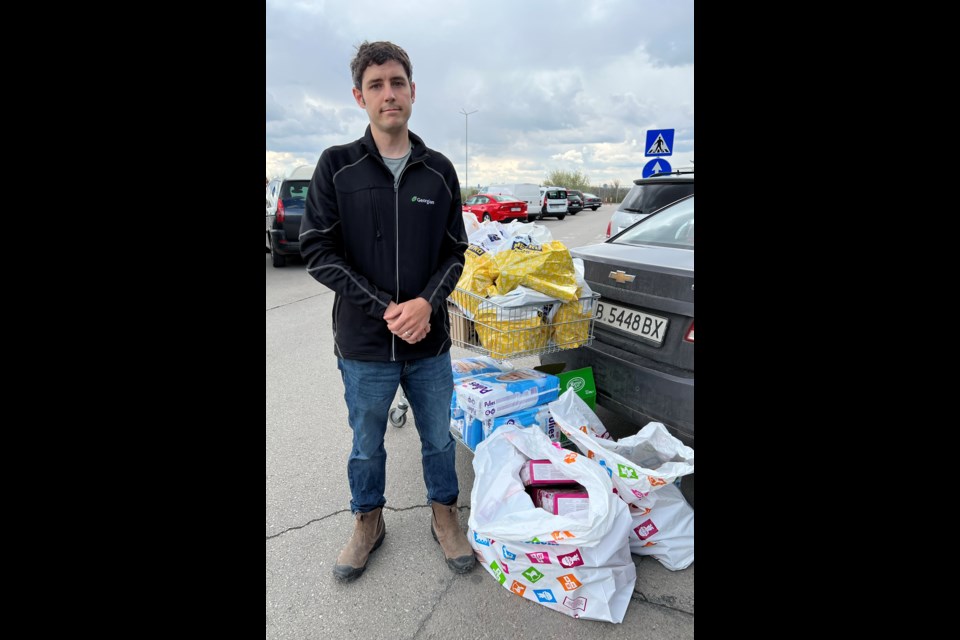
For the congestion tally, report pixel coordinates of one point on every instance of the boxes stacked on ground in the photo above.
(463, 370)
(507, 397)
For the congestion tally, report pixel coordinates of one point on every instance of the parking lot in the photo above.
(407, 590)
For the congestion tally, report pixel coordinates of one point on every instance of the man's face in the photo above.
(387, 96)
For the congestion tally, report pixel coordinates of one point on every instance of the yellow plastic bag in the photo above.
(547, 268)
(506, 332)
(572, 323)
(480, 271)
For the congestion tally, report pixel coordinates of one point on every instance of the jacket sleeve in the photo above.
(321, 245)
(452, 251)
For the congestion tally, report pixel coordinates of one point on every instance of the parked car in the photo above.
(574, 201)
(286, 203)
(553, 202)
(649, 194)
(591, 201)
(499, 207)
(526, 192)
(642, 351)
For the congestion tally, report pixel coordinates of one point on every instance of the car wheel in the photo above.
(268, 242)
(561, 216)
(278, 260)
(486, 217)
(594, 208)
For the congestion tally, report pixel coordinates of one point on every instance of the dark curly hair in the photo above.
(369, 53)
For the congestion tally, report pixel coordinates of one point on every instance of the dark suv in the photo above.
(648, 195)
(574, 201)
(286, 203)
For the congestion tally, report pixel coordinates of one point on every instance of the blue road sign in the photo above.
(657, 165)
(659, 142)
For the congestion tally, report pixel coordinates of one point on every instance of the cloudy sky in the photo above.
(556, 84)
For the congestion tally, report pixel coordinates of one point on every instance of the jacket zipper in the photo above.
(396, 239)
(376, 214)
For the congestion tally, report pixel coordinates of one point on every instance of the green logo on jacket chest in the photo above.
(421, 200)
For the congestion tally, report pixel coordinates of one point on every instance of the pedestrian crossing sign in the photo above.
(659, 142)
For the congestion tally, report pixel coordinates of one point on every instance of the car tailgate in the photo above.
(662, 286)
(293, 209)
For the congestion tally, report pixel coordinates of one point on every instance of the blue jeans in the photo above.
(369, 389)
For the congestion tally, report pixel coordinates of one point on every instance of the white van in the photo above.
(525, 191)
(553, 202)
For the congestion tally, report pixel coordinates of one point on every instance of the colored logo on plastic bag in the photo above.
(655, 481)
(569, 582)
(562, 535)
(627, 472)
(544, 595)
(570, 559)
(532, 574)
(646, 529)
(504, 566)
(539, 557)
(575, 603)
(497, 573)
(603, 463)
(507, 555)
(517, 588)
(571, 457)
(485, 541)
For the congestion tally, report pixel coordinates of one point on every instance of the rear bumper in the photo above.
(633, 387)
(282, 246)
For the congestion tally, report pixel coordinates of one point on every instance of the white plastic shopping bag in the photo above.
(664, 529)
(643, 468)
(637, 464)
(579, 563)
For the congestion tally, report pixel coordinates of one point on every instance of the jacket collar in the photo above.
(418, 152)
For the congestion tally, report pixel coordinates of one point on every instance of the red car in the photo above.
(502, 208)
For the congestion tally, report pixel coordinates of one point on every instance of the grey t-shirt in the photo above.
(396, 165)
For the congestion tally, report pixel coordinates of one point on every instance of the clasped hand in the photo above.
(410, 320)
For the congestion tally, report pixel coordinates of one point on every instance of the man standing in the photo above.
(383, 229)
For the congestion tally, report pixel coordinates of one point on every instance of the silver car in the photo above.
(648, 195)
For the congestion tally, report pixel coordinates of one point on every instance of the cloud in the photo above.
(573, 98)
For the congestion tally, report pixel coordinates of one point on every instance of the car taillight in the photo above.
(608, 231)
(280, 211)
(689, 336)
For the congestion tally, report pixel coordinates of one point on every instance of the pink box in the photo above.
(535, 472)
(561, 501)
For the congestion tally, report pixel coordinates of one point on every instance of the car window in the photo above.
(295, 189)
(645, 198)
(670, 227)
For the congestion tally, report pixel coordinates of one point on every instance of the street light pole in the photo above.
(466, 147)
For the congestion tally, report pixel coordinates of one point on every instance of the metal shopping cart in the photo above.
(503, 330)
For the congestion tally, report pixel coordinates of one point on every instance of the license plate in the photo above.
(631, 321)
(514, 208)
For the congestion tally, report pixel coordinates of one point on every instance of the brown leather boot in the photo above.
(368, 533)
(446, 530)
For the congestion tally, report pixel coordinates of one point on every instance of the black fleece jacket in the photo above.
(371, 243)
